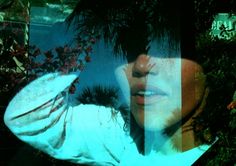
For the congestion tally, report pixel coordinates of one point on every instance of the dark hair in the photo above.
(129, 25)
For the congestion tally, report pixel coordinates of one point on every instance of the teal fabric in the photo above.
(40, 116)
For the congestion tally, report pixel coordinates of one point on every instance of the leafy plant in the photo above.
(217, 56)
(21, 63)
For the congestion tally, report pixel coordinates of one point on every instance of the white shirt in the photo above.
(40, 116)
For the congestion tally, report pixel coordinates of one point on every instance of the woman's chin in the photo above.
(155, 120)
(151, 125)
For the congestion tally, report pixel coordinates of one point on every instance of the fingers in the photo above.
(232, 105)
(229, 106)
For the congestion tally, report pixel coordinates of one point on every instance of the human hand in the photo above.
(232, 105)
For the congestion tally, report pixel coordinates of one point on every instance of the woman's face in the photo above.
(161, 91)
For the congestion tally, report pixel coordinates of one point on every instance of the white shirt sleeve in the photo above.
(37, 109)
(40, 116)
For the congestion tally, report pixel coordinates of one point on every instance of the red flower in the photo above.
(73, 62)
(66, 48)
(76, 80)
(49, 59)
(59, 50)
(48, 54)
(63, 70)
(38, 64)
(72, 89)
(81, 67)
(89, 49)
(87, 58)
(93, 40)
(36, 52)
(66, 64)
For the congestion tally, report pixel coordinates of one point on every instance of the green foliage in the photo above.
(217, 56)
(21, 63)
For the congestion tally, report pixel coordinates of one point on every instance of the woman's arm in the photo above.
(38, 112)
(40, 116)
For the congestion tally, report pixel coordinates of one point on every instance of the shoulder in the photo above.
(98, 130)
(94, 116)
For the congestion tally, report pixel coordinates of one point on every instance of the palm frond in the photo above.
(99, 95)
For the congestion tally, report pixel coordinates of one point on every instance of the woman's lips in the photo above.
(143, 100)
(146, 95)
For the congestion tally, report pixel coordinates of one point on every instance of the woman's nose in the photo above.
(143, 66)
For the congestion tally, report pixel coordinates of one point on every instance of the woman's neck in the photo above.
(184, 137)
(177, 139)
(181, 140)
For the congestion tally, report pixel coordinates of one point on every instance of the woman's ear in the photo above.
(202, 102)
